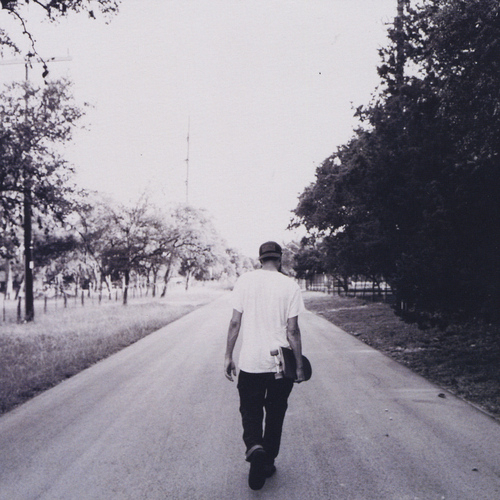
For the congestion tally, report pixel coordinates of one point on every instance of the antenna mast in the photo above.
(187, 165)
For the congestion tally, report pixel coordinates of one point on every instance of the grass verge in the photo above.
(37, 356)
(464, 359)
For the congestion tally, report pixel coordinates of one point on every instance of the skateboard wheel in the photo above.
(275, 352)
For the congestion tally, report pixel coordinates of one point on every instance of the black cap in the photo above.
(270, 249)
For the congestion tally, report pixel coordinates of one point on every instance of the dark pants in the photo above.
(259, 391)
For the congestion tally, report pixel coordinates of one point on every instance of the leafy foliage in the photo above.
(202, 249)
(413, 196)
(140, 241)
(309, 261)
(55, 8)
(52, 9)
(34, 121)
(238, 263)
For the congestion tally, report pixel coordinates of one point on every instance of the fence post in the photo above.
(45, 304)
(19, 301)
(83, 298)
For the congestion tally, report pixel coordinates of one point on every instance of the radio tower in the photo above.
(187, 165)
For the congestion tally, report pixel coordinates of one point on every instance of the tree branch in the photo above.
(26, 32)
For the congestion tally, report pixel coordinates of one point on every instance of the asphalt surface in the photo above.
(159, 420)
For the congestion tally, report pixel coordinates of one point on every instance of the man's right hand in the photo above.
(229, 369)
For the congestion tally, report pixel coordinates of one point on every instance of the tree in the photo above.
(129, 240)
(33, 175)
(342, 229)
(290, 250)
(238, 263)
(309, 260)
(10, 243)
(202, 247)
(58, 258)
(89, 221)
(412, 196)
(34, 120)
(446, 160)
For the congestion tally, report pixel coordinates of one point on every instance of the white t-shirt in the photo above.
(267, 300)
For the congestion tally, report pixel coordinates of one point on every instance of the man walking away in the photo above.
(266, 306)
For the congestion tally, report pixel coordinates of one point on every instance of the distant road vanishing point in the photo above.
(158, 420)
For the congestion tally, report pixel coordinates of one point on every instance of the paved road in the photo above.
(159, 421)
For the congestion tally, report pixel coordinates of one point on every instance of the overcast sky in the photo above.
(268, 88)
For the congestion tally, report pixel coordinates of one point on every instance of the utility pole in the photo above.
(29, 314)
(29, 302)
(187, 165)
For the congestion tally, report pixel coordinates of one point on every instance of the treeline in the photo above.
(413, 198)
(102, 245)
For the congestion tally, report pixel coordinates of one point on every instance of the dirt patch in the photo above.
(464, 359)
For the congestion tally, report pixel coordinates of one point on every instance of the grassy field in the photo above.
(62, 342)
(462, 359)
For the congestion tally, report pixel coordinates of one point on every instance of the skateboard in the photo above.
(286, 365)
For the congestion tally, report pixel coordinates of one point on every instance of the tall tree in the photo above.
(33, 174)
(413, 194)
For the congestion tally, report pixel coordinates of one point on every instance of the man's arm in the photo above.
(295, 341)
(232, 335)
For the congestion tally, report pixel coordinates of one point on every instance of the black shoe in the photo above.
(257, 475)
(269, 470)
